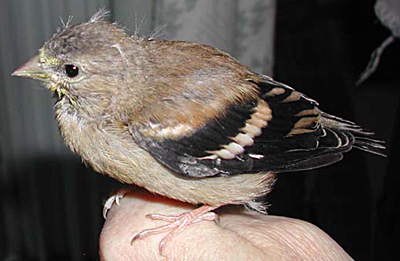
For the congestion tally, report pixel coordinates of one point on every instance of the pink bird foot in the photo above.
(177, 224)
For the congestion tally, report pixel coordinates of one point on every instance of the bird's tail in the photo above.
(363, 139)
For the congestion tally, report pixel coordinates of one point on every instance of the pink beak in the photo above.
(32, 69)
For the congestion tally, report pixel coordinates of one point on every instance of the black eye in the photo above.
(71, 70)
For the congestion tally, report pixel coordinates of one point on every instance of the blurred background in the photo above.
(50, 203)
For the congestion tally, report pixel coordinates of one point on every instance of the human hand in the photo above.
(239, 235)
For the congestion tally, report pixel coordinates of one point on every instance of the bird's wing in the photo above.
(280, 130)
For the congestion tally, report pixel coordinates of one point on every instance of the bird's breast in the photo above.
(111, 150)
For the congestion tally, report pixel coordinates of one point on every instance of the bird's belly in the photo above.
(117, 155)
(137, 166)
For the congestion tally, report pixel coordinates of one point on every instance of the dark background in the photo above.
(51, 206)
(321, 49)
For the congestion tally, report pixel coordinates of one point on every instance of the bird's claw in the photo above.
(115, 198)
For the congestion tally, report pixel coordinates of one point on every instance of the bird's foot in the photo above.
(115, 198)
(177, 224)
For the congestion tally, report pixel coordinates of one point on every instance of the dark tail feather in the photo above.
(370, 145)
(363, 140)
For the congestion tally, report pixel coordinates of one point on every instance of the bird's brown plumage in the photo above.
(181, 119)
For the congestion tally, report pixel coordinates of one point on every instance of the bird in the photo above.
(183, 120)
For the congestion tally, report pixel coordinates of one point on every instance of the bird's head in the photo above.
(84, 65)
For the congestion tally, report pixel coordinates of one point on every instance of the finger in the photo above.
(240, 235)
(283, 238)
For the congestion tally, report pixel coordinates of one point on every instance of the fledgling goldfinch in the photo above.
(183, 120)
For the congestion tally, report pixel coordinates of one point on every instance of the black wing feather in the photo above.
(275, 149)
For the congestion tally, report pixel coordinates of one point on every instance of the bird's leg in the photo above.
(177, 223)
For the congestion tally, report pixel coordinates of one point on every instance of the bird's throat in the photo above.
(60, 92)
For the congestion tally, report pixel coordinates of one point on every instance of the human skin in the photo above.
(238, 236)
